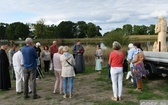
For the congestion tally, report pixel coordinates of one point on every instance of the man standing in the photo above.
(30, 63)
(10, 55)
(78, 51)
(18, 68)
(5, 82)
(130, 56)
(53, 50)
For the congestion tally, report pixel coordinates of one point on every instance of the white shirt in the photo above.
(18, 59)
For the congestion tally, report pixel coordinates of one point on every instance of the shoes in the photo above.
(19, 92)
(36, 97)
(114, 98)
(54, 92)
(26, 97)
(70, 96)
(30, 92)
(119, 98)
(64, 96)
(138, 90)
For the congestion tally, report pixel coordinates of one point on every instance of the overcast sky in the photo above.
(108, 14)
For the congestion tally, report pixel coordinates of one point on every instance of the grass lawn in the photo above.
(90, 88)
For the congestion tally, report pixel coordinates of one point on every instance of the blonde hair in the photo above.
(60, 48)
(65, 49)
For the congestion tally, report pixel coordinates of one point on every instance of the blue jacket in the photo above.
(29, 57)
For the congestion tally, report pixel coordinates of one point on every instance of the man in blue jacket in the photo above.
(30, 63)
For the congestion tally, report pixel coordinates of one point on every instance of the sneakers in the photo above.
(64, 96)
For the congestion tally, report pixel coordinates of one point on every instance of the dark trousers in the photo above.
(13, 72)
(29, 73)
(46, 66)
(39, 71)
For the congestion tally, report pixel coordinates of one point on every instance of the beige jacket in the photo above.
(67, 70)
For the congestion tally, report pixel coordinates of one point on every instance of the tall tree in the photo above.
(3, 30)
(127, 29)
(17, 30)
(81, 29)
(66, 29)
(91, 30)
(40, 29)
(151, 29)
(51, 31)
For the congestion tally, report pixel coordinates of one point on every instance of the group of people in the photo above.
(135, 58)
(26, 63)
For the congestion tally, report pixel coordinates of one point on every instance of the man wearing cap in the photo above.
(130, 57)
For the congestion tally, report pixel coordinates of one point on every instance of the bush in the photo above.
(112, 36)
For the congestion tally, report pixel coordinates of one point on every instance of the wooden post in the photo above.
(159, 46)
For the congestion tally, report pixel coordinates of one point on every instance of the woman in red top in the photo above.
(116, 63)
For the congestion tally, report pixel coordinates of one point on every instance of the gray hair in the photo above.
(116, 45)
(28, 40)
(60, 48)
(65, 49)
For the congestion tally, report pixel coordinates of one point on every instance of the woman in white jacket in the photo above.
(68, 73)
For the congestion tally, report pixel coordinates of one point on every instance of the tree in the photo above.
(17, 30)
(3, 30)
(151, 29)
(66, 29)
(51, 31)
(115, 35)
(40, 29)
(127, 29)
(91, 30)
(81, 29)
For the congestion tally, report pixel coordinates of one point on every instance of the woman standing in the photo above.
(46, 55)
(58, 69)
(138, 68)
(116, 63)
(67, 61)
(98, 54)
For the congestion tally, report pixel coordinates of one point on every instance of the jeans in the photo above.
(133, 77)
(117, 78)
(27, 74)
(65, 83)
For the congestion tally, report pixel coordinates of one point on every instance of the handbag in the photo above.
(75, 70)
(101, 60)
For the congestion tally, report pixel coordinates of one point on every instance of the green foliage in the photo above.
(40, 29)
(66, 29)
(116, 35)
(127, 29)
(17, 30)
(151, 29)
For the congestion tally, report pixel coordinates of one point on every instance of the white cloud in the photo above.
(108, 14)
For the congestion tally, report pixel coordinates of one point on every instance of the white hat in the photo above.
(130, 45)
(38, 44)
